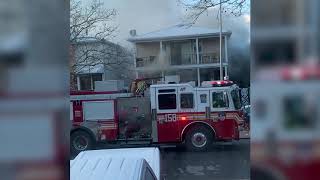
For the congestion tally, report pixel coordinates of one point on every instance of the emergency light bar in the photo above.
(291, 73)
(301, 73)
(217, 83)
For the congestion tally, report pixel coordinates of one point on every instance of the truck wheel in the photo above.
(260, 174)
(80, 141)
(198, 138)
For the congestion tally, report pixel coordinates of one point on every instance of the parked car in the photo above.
(117, 164)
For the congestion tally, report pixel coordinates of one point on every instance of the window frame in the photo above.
(193, 101)
(297, 127)
(225, 94)
(205, 98)
(90, 77)
(161, 109)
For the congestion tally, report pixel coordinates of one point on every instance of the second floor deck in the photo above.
(183, 59)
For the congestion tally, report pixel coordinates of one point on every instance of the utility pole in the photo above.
(220, 55)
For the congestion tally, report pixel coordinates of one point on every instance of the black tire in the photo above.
(256, 174)
(80, 141)
(198, 138)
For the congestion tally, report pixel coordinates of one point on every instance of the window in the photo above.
(152, 59)
(96, 77)
(148, 175)
(167, 101)
(220, 100)
(236, 99)
(299, 112)
(186, 100)
(87, 81)
(203, 98)
(166, 90)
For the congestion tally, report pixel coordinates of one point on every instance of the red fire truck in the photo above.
(165, 113)
(285, 132)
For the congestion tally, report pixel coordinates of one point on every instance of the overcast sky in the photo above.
(150, 15)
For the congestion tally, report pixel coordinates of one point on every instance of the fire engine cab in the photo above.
(165, 113)
(285, 136)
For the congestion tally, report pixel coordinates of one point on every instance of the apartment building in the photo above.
(188, 51)
(284, 32)
(95, 59)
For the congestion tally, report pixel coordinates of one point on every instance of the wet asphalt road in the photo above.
(223, 161)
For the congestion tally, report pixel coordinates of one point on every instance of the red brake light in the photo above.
(183, 118)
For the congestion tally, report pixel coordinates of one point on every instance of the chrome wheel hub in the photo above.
(80, 143)
(199, 140)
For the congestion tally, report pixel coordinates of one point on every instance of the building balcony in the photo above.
(210, 58)
(180, 60)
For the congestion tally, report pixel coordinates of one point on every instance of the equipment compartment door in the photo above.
(102, 113)
(167, 107)
(134, 117)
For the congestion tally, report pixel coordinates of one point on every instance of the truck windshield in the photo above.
(236, 99)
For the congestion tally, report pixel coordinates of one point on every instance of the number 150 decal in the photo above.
(170, 117)
(167, 118)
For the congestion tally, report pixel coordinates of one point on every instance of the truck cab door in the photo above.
(203, 102)
(167, 108)
(220, 106)
(219, 101)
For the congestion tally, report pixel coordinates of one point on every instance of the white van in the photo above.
(117, 164)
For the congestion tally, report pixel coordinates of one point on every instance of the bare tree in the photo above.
(196, 8)
(92, 20)
(90, 28)
(91, 53)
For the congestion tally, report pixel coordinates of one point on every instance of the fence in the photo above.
(245, 96)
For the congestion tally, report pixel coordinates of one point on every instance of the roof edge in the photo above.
(133, 40)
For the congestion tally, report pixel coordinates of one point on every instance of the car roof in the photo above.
(130, 158)
(106, 168)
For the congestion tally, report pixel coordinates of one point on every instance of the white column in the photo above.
(161, 58)
(91, 80)
(134, 59)
(198, 61)
(226, 54)
(161, 52)
(78, 82)
(197, 49)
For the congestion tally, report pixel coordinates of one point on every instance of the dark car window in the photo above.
(148, 175)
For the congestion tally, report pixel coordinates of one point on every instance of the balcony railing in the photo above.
(209, 58)
(183, 59)
(145, 61)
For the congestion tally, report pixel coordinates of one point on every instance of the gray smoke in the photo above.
(150, 15)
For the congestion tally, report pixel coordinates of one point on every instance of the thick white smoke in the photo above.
(150, 15)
